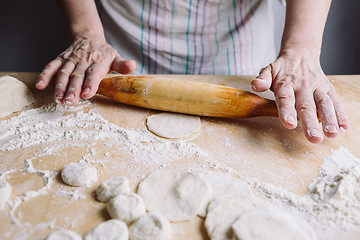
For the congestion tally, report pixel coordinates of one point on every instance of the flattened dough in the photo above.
(264, 224)
(110, 230)
(225, 186)
(127, 207)
(14, 95)
(79, 174)
(221, 215)
(151, 226)
(111, 188)
(64, 235)
(173, 125)
(5, 191)
(177, 195)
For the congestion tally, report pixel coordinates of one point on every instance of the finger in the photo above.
(62, 81)
(263, 81)
(327, 113)
(123, 66)
(95, 73)
(285, 101)
(48, 73)
(306, 109)
(76, 81)
(339, 111)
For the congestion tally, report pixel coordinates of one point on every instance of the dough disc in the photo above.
(151, 226)
(110, 230)
(179, 196)
(173, 125)
(111, 188)
(16, 96)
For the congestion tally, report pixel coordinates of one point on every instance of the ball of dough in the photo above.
(173, 125)
(110, 230)
(64, 235)
(127, 207)
(222, 213)
(78, 174)
(16, 96)
(263, 224)
(151, 226)
(111, 188)
(179, 196)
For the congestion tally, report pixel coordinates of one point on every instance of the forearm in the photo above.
(304, 25)
(82, 18)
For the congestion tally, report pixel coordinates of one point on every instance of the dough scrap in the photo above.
(5, 192)
(79, 174)
(226, 186)
(15, 95)
(151, 226)
(110, 230)
(173, 125)
(64, 235)
(179, 196)
(127, 207)
(221, 215)
(265, 224)
(111, 188)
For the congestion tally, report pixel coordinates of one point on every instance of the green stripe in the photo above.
(187, 40)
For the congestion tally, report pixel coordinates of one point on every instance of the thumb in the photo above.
(122, 66)
(263, 81)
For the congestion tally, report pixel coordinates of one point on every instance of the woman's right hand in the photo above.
(80, 69)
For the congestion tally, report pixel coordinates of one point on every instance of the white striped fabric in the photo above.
(223, 37)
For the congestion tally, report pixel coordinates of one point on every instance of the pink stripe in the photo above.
(208, 37)
(245, 35)
(163, 38)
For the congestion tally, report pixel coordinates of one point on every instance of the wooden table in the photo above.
(258, 147)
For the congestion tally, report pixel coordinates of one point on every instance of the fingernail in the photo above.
(314, 133)
(39, 83)
(331, 129)
(290, 119)
(342, 129)
(86, 91)
(58, 98)
(71, 95)
(254, 87)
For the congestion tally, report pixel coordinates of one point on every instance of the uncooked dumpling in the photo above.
(151, 226)
(111, 188)
(110, 230)
(14, 95)
(78, 174)
(5, 191)
(264, 224)
(173, 125)
(179, 196)
(127, 207)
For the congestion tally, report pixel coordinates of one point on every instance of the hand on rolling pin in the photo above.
(296, 78)
(301, 90)
(81, 67)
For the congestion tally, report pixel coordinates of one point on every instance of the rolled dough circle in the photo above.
(263, 224)
(16, 96)
(179, 196)
(110, 230)
(111, 188)
(173, 125)
(151, 226)
(78, 174)
(64, 235)
(127, 207)
(5, 191)
(222, 212)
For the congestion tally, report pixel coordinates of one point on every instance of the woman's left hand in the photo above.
(302, 90)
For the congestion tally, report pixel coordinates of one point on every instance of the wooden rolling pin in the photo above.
(188, 97)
